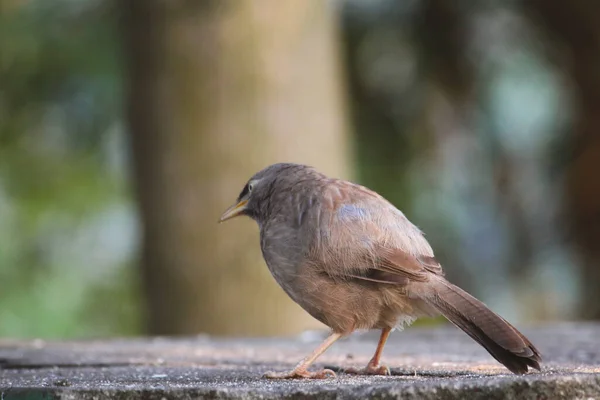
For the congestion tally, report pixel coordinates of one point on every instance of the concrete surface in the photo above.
(438, 363)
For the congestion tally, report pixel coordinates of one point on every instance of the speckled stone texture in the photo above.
(441, 363)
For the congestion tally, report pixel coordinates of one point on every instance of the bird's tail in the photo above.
(502, 340)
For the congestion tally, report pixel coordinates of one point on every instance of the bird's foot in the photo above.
(370, 369)
(301, 374)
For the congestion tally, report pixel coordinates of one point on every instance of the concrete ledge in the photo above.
(425, 363)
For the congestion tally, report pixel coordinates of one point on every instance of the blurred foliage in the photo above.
(62, 181)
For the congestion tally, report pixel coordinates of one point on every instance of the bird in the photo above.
(353, 261)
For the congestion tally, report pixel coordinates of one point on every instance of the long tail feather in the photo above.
(502, 340)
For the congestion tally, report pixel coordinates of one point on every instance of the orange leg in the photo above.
(373, 367)
(301, 370)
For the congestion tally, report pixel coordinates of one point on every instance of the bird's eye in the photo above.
(246, 190)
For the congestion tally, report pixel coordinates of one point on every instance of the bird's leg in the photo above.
(301, 370)
(373, 367)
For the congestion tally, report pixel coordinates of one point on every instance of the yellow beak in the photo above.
(233, 211)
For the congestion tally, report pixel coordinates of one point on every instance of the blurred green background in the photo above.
(127, 126)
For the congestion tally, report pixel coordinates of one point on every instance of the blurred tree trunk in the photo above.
(576, 26)
(218, 90)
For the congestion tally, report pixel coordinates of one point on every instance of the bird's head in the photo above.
(258, 193)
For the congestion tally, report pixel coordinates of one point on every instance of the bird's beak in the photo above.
(234, 211)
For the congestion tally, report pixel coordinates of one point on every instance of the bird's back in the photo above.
(357, 219)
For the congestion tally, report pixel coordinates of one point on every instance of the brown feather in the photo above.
(503, 341)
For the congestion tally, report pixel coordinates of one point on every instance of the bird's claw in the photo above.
(370, 369)
(301, 374)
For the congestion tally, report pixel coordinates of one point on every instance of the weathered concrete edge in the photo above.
(575, 386)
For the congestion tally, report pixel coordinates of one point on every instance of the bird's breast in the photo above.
(283, 252)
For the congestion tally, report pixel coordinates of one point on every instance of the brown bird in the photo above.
(354, 261)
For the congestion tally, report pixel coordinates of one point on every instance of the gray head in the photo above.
(256, 198)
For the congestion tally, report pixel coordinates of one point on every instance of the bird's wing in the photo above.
(363, 236)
